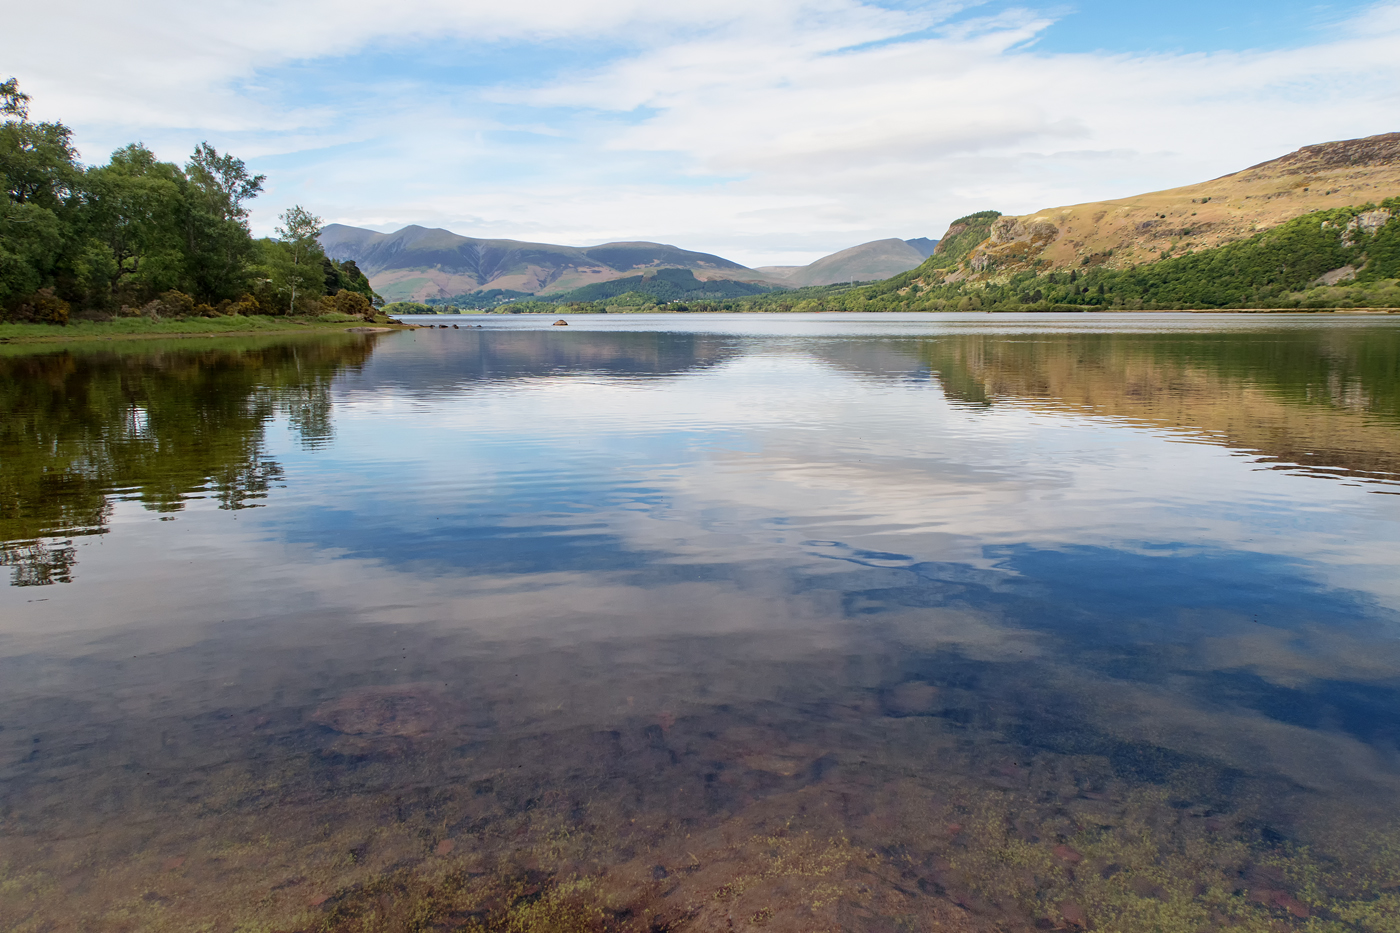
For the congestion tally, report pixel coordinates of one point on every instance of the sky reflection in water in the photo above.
(855, 579)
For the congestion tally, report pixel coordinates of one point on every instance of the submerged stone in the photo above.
(406, 710)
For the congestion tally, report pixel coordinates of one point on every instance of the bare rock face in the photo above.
(949, 238)
(1368, 223)
(1344, 274)
(1012, 244)
(406, 710)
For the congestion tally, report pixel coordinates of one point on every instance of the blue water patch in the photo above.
(1094, 596)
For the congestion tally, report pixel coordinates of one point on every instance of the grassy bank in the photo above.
(140, 328)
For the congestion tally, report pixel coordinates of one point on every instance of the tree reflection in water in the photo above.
(157, 424)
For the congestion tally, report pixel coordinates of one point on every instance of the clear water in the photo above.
(672, 622)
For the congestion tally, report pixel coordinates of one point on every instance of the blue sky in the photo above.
(1190, 25)
(769, 133)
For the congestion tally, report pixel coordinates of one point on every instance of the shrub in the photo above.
(248, 305)
(347, 302)
(171, 304)
(41, 307)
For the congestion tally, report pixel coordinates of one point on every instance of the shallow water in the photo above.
(889, 622)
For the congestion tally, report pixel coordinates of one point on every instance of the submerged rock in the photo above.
(912, 698)
(406, 710)
(1073, 914)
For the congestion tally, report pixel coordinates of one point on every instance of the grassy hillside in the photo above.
(873, 261)
(1339, 258)
(1131, 231)
(867, 262)
(1314, 229)
(963, 236)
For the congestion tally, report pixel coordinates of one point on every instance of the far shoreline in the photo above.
(130, 330)
(565, 312)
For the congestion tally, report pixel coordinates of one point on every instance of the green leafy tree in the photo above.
(121, 233)
(13, 101)
(218, 244)
(346, 276)
(41, 177)
(294, 276)
(136, 212)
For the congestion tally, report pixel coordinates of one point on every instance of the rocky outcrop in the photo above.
(1336, 276)
(1367, 223)
(1014, 244)
(1370, 150)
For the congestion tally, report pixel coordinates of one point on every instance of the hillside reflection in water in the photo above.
(706, 623)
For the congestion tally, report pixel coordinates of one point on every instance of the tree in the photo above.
(224, 180)
(294, 260)
(299, 227)
(40, 176)
(13, 101)
(218, 243)
(136, 207)
(126, 231)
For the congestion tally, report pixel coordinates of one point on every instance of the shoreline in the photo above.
(564, 312)
(123, 330)
(128, 330)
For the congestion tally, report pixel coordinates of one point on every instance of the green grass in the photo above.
(193, 327)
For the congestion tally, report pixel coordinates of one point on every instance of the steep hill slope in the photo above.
(1130, 231)
(416, 263)
(878, 259)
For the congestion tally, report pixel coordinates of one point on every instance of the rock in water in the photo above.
(560, 323)
(405, 710)
(1073, 914)
(912, 698)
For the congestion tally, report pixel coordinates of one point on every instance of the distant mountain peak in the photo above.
(417, 262)
(865, 262)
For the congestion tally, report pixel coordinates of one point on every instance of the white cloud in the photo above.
(769, 132)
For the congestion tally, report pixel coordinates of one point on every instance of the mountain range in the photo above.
(418, 263)
(1135, 232)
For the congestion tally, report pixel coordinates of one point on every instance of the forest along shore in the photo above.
(139, 244)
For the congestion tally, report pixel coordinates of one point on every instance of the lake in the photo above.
(701, 622)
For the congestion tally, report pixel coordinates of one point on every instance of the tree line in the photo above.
(138, 236)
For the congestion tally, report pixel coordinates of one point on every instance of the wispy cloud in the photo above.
(769, 132)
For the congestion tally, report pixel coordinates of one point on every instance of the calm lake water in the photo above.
(798, 623)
